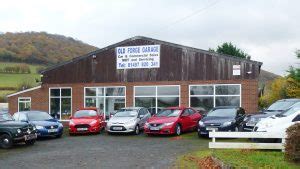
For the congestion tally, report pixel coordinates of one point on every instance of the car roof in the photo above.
(178, 107)
(31, 111)
(133, 108)
(89, 108)
(289, 100)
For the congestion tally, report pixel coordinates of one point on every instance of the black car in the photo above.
(276, 108)
(225, 118)
(15, 132)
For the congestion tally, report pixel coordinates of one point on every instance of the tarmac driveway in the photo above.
(101, 151)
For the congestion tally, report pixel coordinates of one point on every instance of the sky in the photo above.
(267, 30)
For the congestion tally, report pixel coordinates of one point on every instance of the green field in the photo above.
(14, 79)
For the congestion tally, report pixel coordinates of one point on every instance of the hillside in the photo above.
(40, 48)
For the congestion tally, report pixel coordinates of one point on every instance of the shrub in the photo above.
(25, 84)
(292, 144)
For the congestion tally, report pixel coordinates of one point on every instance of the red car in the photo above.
(172, 120)
(86, 120)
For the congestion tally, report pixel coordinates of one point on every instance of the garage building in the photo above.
(146, 72)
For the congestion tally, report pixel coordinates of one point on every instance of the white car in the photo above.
(280, 122)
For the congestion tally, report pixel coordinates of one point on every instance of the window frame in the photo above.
(60, 97)
(19, 98)
(102, 96)
(156, 96)
(214, 92)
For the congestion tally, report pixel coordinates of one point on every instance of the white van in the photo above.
(280, 122)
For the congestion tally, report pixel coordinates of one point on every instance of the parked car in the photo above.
(45, 124)
(86, 120)
(12, 131)
(278, 107)
(152, 110)
(225, 118)
(280, 122)
(128, 120)
(172, 120)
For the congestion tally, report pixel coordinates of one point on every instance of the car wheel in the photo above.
(178, 130)
(30, 142)
(6, 141)
(137, 130)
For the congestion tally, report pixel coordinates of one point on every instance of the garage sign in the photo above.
(135, 57)
(236, 70)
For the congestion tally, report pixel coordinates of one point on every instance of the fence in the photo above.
(235, 145)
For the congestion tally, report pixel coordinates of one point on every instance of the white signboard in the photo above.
(134, 57)
(236, 70)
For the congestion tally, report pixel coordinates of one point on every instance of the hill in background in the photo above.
(40, 48)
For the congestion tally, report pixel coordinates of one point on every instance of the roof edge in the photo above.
(23, 91)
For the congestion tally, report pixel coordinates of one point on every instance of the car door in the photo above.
(195, 117)
(141, 116)
(185, 120)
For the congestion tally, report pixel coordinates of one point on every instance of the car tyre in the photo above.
(6, 141)
(30, 142)
(177, 130)
(137, 130)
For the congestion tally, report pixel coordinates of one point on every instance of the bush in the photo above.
(292, 144)
(25, 84)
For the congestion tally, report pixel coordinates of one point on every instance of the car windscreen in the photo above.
(280, 106)
(295, 108)
(38, 116)
(6, 117)
(85, 113)
(126, 114)
(222, 112)
(122, 110)
(168, 113)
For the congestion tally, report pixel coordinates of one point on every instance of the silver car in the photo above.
(128, 120)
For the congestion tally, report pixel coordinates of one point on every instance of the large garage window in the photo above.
(60, 103)
(205, 97)
(107, 99)
(24, 103)
(156, 96)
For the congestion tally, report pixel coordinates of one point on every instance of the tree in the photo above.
(295, 72)
(229, 49)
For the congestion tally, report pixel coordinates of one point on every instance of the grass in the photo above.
(238, 158)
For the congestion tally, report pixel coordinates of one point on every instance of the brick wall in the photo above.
(40, 97)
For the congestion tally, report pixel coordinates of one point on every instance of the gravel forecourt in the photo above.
(102, 151)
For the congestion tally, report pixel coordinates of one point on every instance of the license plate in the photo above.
(117, 128)
(52, 130)
(30, 137)
(154, 128)
(250, 124)
(210, 129)
(82, 129)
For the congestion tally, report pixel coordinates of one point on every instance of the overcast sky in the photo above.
(267, 30)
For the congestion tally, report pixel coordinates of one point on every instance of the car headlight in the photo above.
(227, 123)
(93, 122)
(201, 123)
(168, 124)
(19, 131)
(39, 127)
(71, 123)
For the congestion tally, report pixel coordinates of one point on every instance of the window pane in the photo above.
(90, 102)
(145, 102)
(113, 104)
(54, 108)
(228, 101)
(228, 90)
(168, 90)
(116, 91)
(100, 103)
(145, 91)
(202, 103)
(167, 101)
(90, 91)
(100, 91)
(24, 106)
(65, 108)
(55, 92)
(24, 100)
(202, 90)
(65, 92)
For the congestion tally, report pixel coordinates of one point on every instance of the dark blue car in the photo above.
(226, 118)
(45, 124)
